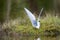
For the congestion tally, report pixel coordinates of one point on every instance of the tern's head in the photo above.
(38, 24)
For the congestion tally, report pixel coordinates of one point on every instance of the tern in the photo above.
(35, 23)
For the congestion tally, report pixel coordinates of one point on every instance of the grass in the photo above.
(50, 25)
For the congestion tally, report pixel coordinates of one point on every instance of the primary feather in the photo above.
(32, 17)
(40, 14)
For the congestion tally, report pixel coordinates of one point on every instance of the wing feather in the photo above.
(30, 15)
(40, 14)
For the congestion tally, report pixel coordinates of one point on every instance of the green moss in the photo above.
(49, 25)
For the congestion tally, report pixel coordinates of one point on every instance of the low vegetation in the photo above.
(50, 25)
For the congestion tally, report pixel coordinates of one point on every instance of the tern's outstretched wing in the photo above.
(40, 13)
(31, 16)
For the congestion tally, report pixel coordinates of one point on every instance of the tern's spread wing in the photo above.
(31, 16)
(40, 13)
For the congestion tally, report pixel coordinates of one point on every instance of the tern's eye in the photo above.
(39, 21)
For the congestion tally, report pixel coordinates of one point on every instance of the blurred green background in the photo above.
(13, 18)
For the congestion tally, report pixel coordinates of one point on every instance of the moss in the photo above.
(48, 24)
